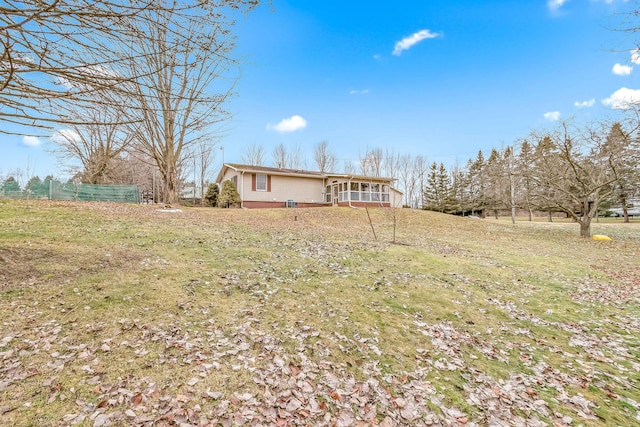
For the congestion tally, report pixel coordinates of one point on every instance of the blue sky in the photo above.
(441, 79)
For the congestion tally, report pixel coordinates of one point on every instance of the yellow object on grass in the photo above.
(600, 237)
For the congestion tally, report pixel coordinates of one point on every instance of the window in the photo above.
(385, 193)
(261, 182)
(366, 196)
(375, 192)
(327, 194)
(234, 180)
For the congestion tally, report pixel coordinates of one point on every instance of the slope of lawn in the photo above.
(129, 315)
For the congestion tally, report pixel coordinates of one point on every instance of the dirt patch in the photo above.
(28, 266)
(17, 267)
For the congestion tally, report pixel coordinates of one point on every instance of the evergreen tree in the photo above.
(229, 195)
(37, 188)
(477, 184)
(10, 186)
(495, 182)
(445, 203)
(212, 195)
(430, 196)
(546, 169)
(627, 173)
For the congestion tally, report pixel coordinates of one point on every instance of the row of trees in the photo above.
(137, 84)
(576, 170)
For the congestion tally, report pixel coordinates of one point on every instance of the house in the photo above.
(265, 187)
(633, 209)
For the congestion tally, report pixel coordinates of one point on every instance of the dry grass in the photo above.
(114, 308)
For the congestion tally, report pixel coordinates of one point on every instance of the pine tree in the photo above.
(477, 184)
(430, 195)
(443, 191)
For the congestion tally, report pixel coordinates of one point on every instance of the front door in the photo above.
(335, 194)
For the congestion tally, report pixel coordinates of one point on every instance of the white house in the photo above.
(266, 187)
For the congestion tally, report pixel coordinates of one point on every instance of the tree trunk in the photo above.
(170, 190)
(585, 226)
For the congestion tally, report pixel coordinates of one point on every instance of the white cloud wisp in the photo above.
(31, 141)
(585, 104)
(65, 136)
(291, 124)
(552, 116)
(415, 38)
(623, 99)
(622, 70)
(555, 5)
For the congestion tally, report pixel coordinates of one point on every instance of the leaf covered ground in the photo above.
(115, 315)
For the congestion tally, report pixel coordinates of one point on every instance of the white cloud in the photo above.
(555, 5)
(359, 92)
(552, 115)
(377, 57)
(65, 136)
(635, 56)
(409, 41)
(622, 70)
(623, 99)
(31, 141)
(291, 124)
(584, 104)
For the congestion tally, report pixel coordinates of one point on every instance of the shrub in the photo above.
(229, 195)
(212, 195)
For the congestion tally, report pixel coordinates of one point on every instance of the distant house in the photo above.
(633, 208)
(265, 187)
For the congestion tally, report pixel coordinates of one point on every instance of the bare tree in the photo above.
(523, 167)
(253, 155)
(508, 162)
(181, 81)
(390, 164)
(96, 145)
(203, 157)
(324, 158)
(406, 179)
(55, 52)
(583, 169)
(419, 175)
(167, 61)
(279, 156)
(294, 157)
(348, 167)
(371, 162)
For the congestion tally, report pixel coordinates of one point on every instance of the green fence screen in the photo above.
(55, 190)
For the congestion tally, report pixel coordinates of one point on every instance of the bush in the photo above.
(229, 195)
(213, 192)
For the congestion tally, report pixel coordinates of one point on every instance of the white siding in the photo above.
(283, 188)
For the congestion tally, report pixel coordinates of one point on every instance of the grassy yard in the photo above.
(127, 315)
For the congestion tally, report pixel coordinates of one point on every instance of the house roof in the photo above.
(296, 172)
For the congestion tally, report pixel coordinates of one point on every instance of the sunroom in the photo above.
(358, 192)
